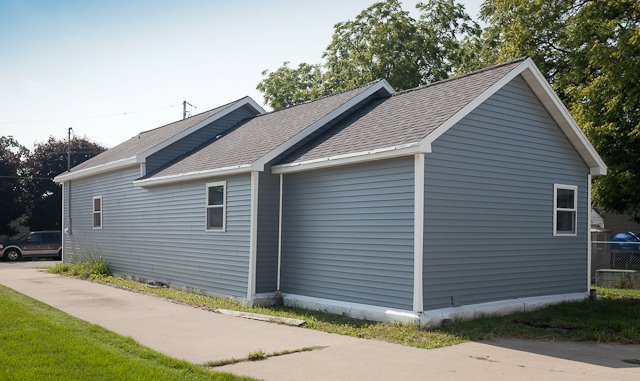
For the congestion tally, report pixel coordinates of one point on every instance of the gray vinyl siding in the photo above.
(159, 232)
(267, 252)
(489, 206)
(348, 233)
(196, 139)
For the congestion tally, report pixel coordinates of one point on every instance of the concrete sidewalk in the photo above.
(197, 336)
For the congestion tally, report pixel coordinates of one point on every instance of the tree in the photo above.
(11, 157)
(590, 52)
(42, 197)
(383, 41)
(286, 86)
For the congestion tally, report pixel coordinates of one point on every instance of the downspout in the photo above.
(70, 227)
(253, 238)
(62, 224)
(278, 294)
(418, 233)
(589, 234)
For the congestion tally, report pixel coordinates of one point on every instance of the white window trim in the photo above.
(93, 211)
(574, 188)
(224, 206)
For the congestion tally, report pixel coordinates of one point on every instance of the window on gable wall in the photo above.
(97, 212)
(216, 206)
(565, 210)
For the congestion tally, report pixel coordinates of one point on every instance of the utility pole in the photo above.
(69, 149)
(184, 108)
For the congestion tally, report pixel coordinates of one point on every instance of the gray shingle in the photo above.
(405, 117)
(258, 136)
(148, 139)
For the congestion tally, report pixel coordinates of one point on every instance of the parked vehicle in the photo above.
(34, 244)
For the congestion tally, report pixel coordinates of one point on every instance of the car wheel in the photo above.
(12, 255)
(59, 256)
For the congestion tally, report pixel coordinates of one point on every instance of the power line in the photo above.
(91, 116)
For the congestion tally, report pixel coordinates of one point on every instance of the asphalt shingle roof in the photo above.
(402, 118)
(148, 139)
(258, 136)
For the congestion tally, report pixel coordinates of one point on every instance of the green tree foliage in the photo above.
(42, 198)
(11, 156)
(383, 41)
(289, 86)
(590, 52)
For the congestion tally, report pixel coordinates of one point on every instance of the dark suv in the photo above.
(34, 244)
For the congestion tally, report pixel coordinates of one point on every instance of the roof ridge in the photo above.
(193, 116)
(321, 98)
(460, 76)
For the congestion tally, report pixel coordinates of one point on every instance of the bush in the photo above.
(89, 269)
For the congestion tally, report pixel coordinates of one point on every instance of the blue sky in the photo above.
(64, 62)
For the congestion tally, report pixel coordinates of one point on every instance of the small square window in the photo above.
(97, 212)
(216, 208)
(565, 210)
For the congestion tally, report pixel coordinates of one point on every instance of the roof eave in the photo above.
(95, 170)
(351, 158)
(197, 175)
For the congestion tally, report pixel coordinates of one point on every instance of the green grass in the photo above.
(38, 342)
(89, 269)
(614, 319)
(607, 320)
(619, 293)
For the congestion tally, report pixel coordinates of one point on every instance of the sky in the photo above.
(111, 69)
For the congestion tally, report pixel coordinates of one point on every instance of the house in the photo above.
(465, 196)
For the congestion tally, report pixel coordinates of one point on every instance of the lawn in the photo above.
(616, 318)
(608, 320)
(38, 342)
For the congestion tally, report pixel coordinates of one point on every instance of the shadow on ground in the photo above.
(601, 354)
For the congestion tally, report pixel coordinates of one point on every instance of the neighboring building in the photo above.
(620, 222)
(422, 204)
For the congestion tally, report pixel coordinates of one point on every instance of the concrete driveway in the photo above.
(198, 336)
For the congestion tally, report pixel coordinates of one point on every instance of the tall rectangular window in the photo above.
(565, 210)
(216, 206)
(97, 212)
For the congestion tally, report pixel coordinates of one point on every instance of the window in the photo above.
(565, 210)
(216, 206)
(97, 212)
(34, 238)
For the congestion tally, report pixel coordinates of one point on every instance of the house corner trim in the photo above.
(418, 233)
(253, 237)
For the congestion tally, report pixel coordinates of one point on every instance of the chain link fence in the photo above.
(615, 264)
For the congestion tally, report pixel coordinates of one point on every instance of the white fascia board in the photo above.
(246, 101)
(549, 99)
(351, 158)
(95, 170)
(244, 168)
(378, 86)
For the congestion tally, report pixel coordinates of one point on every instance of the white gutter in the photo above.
(96, 169)
(351, 158)
(244, 168)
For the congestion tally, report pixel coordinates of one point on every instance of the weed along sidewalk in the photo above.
(280, 352)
